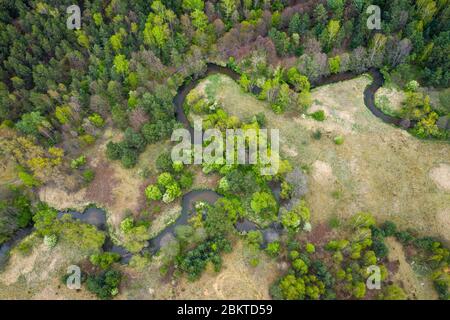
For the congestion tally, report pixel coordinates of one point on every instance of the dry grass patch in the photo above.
(379, 168)
(415, 286)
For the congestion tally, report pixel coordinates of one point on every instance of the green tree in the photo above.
(334, 64)
(264, 203)
(121, 64)
(152, 192)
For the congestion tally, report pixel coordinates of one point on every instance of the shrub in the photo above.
(105, 285)
(87, 139)
(165, 179)
(317, 134)
(310, 248)
(25, 246)
(300, 266)
(273, 249)
(261, 119)
(318, 115)
(88, 175)
(195, 261)
(404, 237)
(172, 192)
(27, 179)
(263, 203)
(50, 240)
(304, 101)
(177, 166)
(389, 228)
(334, 222)
(152, 192)
(139, 262)
(129, 158)
(186, 180)
(96, 120)
(164, 162)
(78, 162)
(412, 86)
(338, 140)
(113, 151)
(393, 292)
(104, 260)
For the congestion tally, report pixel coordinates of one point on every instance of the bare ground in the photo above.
(236, 280)
(414, 285)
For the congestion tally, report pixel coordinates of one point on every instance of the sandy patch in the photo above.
(443, 222)
(237, 280)
(415, 287)
(441, 176)
(322, 173)
(61, 199)
(393, 97)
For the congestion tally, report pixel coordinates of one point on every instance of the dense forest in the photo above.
(60, 88)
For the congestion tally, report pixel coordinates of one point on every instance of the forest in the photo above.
(87, 114)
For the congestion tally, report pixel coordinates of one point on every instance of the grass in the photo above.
(213, 86)
(334, 222)
(318, 115)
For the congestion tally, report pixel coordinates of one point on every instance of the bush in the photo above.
(165, 179)
(393, 292)
(186, 180)
(78, 162)
(152, 192)
(50, 240)
(139, 262)
(404, 237)
(164, 162)
(273, 249)
(25, 247)
(318, 115)
(27, 179)
(105, 285)
(261, 119)
(317, 134)
(96, 120)
(88, 175)
(310, 248)
(104, 260)
(334, 222)
(113, 151)
(195, 261)
(87, 139)
(389, 228)
(412, 86)
(339, 140)
(129, 158)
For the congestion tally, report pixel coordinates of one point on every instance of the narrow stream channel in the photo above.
(97, 217)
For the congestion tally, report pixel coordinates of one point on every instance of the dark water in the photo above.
(15, 239)
(93, 216)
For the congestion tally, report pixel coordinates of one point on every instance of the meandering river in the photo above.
(97, 217)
